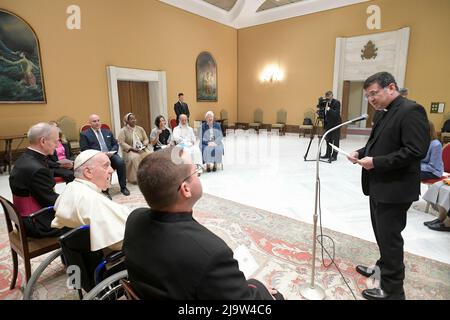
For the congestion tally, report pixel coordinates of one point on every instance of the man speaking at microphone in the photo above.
(332, 119)
(391, 177)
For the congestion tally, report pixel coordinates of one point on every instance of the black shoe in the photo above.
(380, 294)
(208, 168)
(333, 159)
(365, 271)
(125, 191)
(427, 223)
(440, 226)
(214, 168)
(106, 193)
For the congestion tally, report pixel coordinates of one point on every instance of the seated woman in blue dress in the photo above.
(432, 166)
(211, 146)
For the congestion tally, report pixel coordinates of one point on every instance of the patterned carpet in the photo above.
(280, 246)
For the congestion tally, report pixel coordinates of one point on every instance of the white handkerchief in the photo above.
(247, 264)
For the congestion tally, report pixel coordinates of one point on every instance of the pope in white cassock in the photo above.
(83, 203)
(184, 136)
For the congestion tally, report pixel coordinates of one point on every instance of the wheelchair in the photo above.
(101, 277)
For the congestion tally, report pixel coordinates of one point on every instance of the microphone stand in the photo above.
(314, 291)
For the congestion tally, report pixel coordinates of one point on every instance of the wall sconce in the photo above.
(272, 73)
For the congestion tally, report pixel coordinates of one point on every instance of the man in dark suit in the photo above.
(332, 118)
(391, 177)
(103, 140)
(169, 255)
(181, 107)
(32, 182)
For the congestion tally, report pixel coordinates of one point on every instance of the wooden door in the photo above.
(344, 107)
(134, 97)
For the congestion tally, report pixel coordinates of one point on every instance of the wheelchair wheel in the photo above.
(109, 289)
(34, 286)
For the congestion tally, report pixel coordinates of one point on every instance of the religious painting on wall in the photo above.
(206, 70)
(21, 79)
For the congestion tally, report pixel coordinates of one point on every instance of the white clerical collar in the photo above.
(89, 184)
(35, 150)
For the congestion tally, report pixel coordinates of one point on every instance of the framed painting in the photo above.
(21, 79)
(206, 71)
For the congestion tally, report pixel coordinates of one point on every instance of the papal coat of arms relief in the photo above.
(369, 51)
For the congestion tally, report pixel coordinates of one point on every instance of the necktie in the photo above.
(103, 146)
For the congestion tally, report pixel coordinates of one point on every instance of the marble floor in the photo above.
(268, 172)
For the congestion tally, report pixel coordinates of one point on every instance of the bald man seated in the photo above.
(82, 202)
(102, 139)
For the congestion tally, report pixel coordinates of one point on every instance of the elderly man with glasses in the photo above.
(83, 203)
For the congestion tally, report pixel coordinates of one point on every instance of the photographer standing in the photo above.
(332, 118)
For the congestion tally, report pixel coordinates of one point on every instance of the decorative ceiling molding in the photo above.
(244, 13)
(223, 4)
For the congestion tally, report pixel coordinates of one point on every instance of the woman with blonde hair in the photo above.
(133, 141)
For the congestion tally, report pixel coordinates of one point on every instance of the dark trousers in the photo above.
(388, 221)
(118, 164)
(425, 175)
(332, 137)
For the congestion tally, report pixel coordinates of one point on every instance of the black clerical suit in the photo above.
(332, 119)
(398, 141)
(172, 256)
(89, 140)
(181, 108)
(31, 177)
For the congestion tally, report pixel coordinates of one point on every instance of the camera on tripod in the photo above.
(321, 106)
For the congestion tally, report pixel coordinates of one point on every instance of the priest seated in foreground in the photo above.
(168, 254)
(83, 203)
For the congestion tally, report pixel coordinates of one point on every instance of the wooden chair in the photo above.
(258, 119)
(173, 123)
(281, 122)
(225, 121)
(27, 248)
(131, 294)
(308, 128)
(69, 129)
(88, 126)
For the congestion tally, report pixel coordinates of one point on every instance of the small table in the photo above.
(7, 159)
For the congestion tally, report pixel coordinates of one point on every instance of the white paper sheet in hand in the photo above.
(339, 150)
(247, 264)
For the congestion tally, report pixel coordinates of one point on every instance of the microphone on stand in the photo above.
(360, 118)
(313, 291)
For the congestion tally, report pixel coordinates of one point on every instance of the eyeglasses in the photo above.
(197, 171)
(372, 94)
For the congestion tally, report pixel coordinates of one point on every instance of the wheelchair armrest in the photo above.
(114, 256)
(40, 212)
